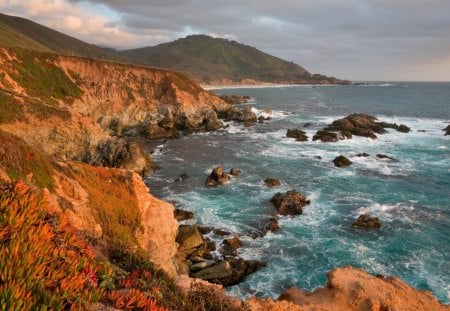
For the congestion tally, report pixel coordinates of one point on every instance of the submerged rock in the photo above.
(290, 203)
(365, 221)
(326, 136)
(363, 154)
(234, 242)
(341, 161)
(383, 156)
(182, 177)
(234, 172)
(403, 128)
(217, 177)
(272, 182)
(298, 134)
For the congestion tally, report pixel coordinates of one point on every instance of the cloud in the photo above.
(373, 39)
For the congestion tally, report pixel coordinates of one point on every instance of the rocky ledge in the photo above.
(358, 125)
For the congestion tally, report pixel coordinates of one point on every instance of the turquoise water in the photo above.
(411, 196)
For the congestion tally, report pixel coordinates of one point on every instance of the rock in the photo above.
(217, 177)
(421, 131)
(362, 154)
(204, 230)
(210, 244)
(181, 214)
(234, 172)
(318, 157)
(196, 259)
(220, 232)
(447, 130)
(341, 161)
(188, 238)
(403, 128)
(234, 242)
(298, 134)
(272, 182)
(235, 99)
(383, 156)
(182, 177)
(365, 221)
(266, 225)
(198, 266)
(272, 225)
(290, 203)
(227, 250)
(247, 116)
(326, 136)
(228, 272)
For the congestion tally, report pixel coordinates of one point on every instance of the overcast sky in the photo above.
(353, 39)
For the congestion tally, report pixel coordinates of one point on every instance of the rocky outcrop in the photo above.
(341, 161)
(365, 221)
(353, 289)
(446, 130)
(290, 203)
(272, 182)
(356, 124)
(235, 99)
(217, 177)
(298, 134)
(181, 214)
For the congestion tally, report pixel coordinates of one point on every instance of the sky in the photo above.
(385, 40)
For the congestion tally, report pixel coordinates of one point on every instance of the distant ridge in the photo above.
(221, 61)
(21, 32)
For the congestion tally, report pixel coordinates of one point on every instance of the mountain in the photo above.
(20, 32)
(221, 61)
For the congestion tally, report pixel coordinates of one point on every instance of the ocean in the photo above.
(411, 195)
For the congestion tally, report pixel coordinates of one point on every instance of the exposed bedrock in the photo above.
(356, 124)
(289, 203)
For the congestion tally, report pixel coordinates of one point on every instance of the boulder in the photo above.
(204, 230)
(188, 238)
(326, 136)
(181, 214)
(290, 203)
(266, 225)
(227, 250)
(272, 182)
(234, 242)
(234, 172)
(182, 177)
(447, 130)
(341, 161)
(403, 128)
(272, 225)
(363, 154)
(298, 134)
(365, 221)
(221, 232)
(228, 272)
(383, 156)
(247, 116)
(210, 244)
(217, 177)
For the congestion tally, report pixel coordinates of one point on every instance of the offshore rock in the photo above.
(217, 177)
(235, 172)
(181, 214)
(341, 161)
(272, 182)
(298, 134)
(447, 130)
(365, 221)
(290, 203)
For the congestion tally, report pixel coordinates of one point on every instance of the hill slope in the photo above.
(21, 32)
(216, 61)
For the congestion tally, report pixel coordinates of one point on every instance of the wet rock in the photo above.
(272, 182)
(198, 266)
(234, 172)
(182, 177)
(298, 134)
(326, 136)
(234, 242)
(188, 238)
(205, 230)
(383, 156)
(227, 250)
(365, 221)
(318, 157)
(447, 130)
(363, 154)
(290, 203)
(266, 225)
(181, 214)
(403, 128)
(421, 131)
(217, 177)
(221, 232)
(210, 244)
(341, 161)
(229, 272)
(272, 225)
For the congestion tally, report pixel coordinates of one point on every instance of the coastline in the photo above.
(209, 87)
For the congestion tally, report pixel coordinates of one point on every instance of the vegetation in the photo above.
(20, 161)
(210, 59)
(43, 266)
(10, 37)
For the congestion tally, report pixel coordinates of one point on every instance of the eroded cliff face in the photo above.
(353, 289)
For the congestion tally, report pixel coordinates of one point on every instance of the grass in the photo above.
(20, 160)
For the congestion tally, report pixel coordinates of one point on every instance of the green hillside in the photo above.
(21, 32)
(211, 60)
